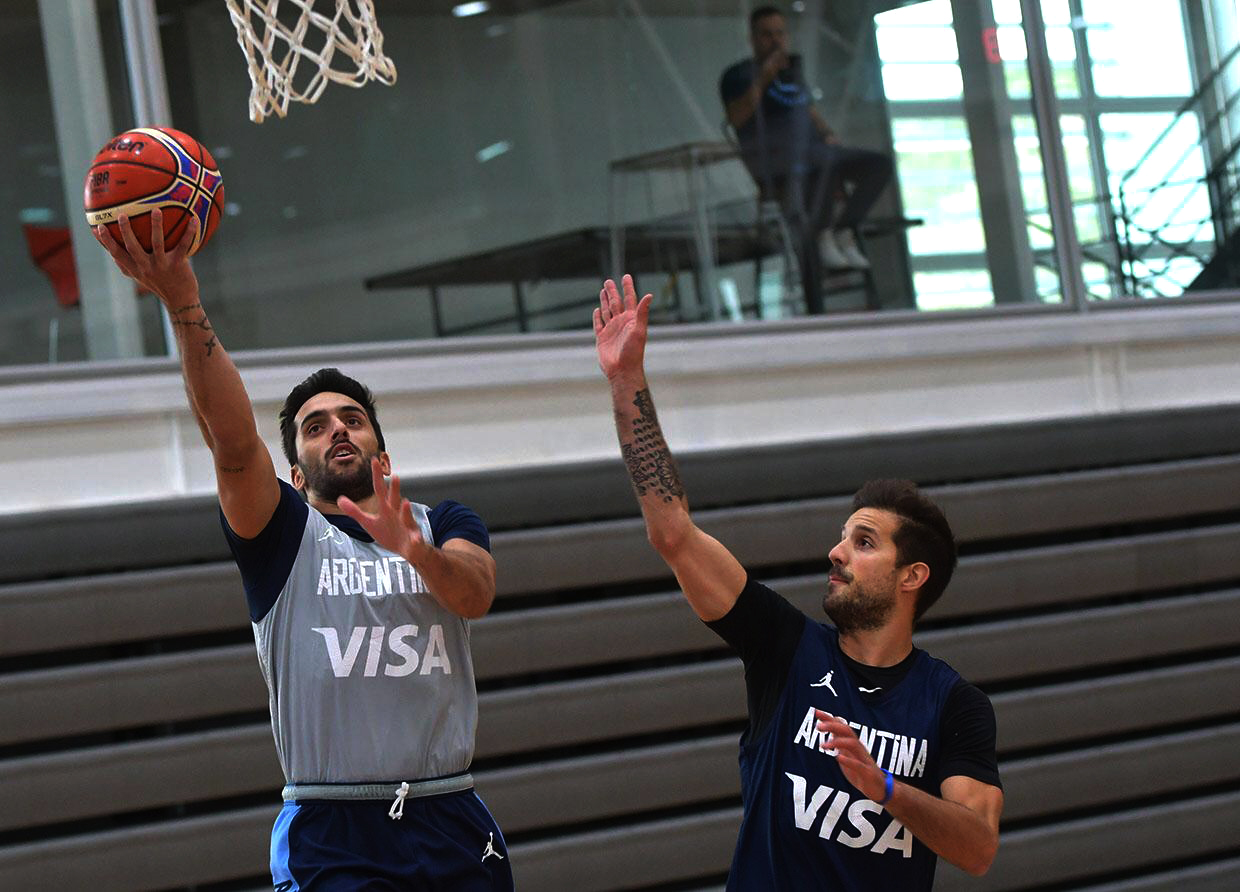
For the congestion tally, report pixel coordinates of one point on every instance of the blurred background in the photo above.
(1045, 335)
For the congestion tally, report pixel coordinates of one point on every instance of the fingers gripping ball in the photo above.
(155, 167)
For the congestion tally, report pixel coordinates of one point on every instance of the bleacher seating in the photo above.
(1097, 602)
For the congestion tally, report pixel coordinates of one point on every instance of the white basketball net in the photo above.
(276, 49)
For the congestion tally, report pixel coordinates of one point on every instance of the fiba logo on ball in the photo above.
(155, 167)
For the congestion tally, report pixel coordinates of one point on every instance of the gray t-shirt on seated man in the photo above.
(370, 680)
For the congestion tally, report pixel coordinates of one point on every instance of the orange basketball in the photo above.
(155, 167)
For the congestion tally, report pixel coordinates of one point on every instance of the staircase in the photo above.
(1176, 215)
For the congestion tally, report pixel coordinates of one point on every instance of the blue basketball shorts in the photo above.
(444, 843)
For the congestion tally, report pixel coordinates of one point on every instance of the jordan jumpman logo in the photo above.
(825, 682)
(490, 849)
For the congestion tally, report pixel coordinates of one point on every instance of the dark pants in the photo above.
(446, 843)
(807, 188)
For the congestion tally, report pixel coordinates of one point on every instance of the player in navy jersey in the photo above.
(864, 758)
(360, 603)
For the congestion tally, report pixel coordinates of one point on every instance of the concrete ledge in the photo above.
(121, 432)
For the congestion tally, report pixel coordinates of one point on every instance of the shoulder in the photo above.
(967, 698)
(761, 624)
(967, 712)
(452, 520)
(267, 560)
(969, 734)
(757, 600)
(736, 77)
(940, 673)
(290, 516)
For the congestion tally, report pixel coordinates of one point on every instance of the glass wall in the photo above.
(969, 155)
(522, 155)
(1138, 165)
(52, 306)
(37, 324)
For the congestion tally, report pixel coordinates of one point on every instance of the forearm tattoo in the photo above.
(184, 318)
(651, 465)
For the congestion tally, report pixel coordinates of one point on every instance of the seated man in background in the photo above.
(795, 157)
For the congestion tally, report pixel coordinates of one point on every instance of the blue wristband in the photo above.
(891, 787)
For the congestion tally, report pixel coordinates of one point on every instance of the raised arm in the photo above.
(708, 574)
(744, 106)
(244, 474)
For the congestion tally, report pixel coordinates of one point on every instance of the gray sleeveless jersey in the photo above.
(370, 679)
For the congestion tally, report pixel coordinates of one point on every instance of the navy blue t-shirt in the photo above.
(805, 826)
(266, 560)
(784, 113)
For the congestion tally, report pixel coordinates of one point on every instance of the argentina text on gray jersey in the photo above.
(370, 679)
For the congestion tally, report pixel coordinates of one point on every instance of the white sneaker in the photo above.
(847, 245)
(830, 251)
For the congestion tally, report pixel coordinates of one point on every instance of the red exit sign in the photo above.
(990, 43)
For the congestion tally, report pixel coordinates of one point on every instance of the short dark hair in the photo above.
(324, 381)
(761, 13)
(924, 535)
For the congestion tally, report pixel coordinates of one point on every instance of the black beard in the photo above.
(328, 486)
(862, 610)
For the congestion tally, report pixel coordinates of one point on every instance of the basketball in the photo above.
(155, 167)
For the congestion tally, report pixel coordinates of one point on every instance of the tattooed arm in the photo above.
(708, 574)
(245, 476)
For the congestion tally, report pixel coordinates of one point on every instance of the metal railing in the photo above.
(1176, 208)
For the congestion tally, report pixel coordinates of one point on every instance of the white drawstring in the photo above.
(398, 807)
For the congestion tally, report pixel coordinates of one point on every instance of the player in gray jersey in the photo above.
(360, 603)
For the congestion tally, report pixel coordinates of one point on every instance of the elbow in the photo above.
(977, 869)
(471, 607)
(484, 596)
(983, 857)
(666, 544)
(737, 113)
(231, 444)
(480, 605)
(668, 538)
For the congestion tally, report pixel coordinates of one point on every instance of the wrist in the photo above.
(419, 553)
(627, 380)
(180, 300)
(889, 788)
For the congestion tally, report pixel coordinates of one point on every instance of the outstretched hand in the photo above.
(620, 328)
(167, 273)
(392, 525)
